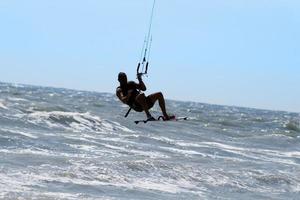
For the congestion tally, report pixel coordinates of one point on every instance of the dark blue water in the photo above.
(65, 144)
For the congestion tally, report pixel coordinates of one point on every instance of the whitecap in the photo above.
(2, 104)
(16, 99)
(20, 133)
(71, 121)
(257, 154)
(183, 151)
(292, 126)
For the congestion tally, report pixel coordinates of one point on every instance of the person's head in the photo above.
(122, 78)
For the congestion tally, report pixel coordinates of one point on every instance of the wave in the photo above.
(2, 105)
(71, 121)
(17, 99)
(19, 132)
(293, 126)
(47, 109)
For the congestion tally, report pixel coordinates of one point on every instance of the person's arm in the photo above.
(122, 97)
(141, 84)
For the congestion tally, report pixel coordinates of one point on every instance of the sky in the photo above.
(228, 52)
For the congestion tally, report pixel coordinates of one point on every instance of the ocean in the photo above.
(63, 144)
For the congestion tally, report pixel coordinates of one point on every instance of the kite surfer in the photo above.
(130, 93)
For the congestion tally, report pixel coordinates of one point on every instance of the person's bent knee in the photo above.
(160, 94)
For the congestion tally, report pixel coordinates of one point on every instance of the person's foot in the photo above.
(168, 117)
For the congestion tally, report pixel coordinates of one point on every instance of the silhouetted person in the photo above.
(129, 93)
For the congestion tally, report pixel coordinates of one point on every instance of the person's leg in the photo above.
(141, 99)
(161, 100)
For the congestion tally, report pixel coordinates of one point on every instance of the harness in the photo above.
(130, 87)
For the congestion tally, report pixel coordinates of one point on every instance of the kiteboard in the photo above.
(173, 118)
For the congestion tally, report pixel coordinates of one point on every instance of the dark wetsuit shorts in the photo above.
(137, 107)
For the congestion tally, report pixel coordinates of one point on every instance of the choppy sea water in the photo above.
(65, 144)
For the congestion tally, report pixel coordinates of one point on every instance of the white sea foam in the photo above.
(2, 104)
(9, 183)
(183, 151)
(164, 139)
(163, 186)
(17, 99)
(258, 154)
(17, 185)
(30, 135)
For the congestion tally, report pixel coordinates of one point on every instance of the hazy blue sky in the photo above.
(232, 52)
